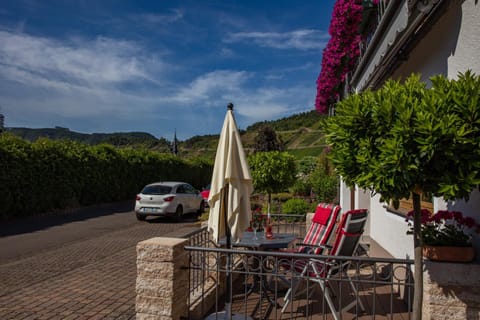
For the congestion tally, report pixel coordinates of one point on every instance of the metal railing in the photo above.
(289, 223)
(372, 24)
(264, 280)
(202, 280)
(199, 237)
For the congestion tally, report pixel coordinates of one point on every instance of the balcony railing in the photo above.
(201, 280)
(261, 280)
(372, 16)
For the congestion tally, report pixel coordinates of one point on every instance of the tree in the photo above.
(267, 140)
(316, 174)
(404, 140)
(272, 172)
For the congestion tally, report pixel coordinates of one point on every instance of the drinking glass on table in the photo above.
(255, 226)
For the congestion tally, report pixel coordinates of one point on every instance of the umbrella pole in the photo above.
(228, 236)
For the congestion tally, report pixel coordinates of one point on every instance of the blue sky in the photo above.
(157, 66)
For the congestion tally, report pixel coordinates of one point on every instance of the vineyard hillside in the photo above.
(301, 135)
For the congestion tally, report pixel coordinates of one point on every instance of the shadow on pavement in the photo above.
(46, 220)
(187, 217)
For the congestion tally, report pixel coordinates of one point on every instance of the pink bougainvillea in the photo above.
(341, 53)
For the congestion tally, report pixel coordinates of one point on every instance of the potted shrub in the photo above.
(445, 235)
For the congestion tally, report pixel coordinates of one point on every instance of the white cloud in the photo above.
(106, 83)
(75, 78)
(162, 19)
(225, 52)
(79, 63)
(271, 103)
(204, 89)
(303, 39)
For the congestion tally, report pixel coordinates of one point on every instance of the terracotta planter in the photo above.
(451, 254)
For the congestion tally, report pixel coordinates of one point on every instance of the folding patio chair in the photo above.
(323, 271)
(321, 229)
(319, 233)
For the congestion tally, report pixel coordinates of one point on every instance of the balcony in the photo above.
(184, 278)
(384, 286)
(390, 29)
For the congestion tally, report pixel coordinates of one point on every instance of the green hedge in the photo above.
(297, 207)
(50, 174)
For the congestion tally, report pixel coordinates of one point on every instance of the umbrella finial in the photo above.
(230, 106)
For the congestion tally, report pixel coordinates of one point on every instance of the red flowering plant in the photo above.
(353, 22)
(445, 228)
(258, 220)
(341, 53)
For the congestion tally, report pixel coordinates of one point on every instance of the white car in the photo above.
(168, 199)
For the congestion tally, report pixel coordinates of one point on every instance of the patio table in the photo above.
(279, 241)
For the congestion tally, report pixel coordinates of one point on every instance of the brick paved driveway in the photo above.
(83, 277)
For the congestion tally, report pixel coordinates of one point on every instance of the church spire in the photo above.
(175, 147)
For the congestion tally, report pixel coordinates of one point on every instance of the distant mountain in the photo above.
(300, 134)
(119, 139)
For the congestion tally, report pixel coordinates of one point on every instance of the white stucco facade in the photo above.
(451, 46)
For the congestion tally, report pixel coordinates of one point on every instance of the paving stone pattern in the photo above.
(90, 279)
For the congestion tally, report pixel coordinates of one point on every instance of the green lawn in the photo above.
(300, 153)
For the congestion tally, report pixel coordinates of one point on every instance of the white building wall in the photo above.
(451, 46)
(390, 230)
(467, 49)
(345, 202)
(470, 208)
(362, 201)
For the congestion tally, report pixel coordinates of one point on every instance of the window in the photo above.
(406, 205)
(189, 189)
(156, 190)
(181, 189)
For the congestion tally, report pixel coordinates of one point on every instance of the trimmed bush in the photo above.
(51, 174)
(296, 206)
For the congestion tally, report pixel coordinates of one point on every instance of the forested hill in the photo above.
(309, 119)
(117, 139)
(300, 134)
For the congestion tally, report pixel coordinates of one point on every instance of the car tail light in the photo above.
(137, 198)
(168, 199)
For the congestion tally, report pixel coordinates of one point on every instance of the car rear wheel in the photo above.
(179, 213)
(141, 217)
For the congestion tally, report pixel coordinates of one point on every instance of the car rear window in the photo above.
(152, 190)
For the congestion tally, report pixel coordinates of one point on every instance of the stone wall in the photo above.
(451, 291)
(162, 279)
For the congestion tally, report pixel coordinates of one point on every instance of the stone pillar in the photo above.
(451, 291)
(162, 279)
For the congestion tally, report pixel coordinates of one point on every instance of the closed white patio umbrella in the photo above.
(230, 170)
(229, 198)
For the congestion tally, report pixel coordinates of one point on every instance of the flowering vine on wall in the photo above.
(341, 53)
